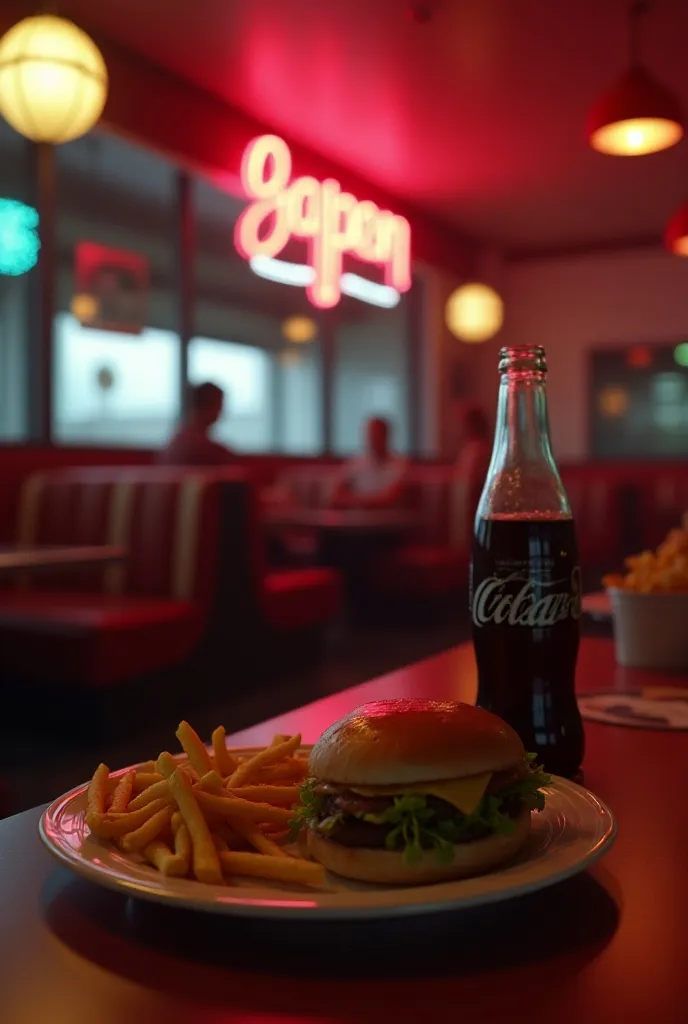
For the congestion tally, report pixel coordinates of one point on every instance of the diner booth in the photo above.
(145, 270)
(286, 709)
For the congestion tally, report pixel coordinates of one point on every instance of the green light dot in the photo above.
(681, 354)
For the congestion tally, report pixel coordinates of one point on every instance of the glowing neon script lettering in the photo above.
(333, 222)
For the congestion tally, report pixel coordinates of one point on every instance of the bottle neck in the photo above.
(522, 431)
(523, 480)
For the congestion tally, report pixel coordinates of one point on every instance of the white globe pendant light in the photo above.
(53, 79)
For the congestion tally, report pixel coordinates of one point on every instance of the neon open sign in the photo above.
(331, 221)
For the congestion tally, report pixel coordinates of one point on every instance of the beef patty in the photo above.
(342, 810)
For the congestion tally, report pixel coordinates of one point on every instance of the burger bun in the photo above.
(388, 867)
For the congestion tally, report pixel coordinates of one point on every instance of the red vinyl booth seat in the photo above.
(195, 572)
(297, 599)
(91, 638)
(99, 625)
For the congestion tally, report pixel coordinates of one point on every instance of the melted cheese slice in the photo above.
(464, 794)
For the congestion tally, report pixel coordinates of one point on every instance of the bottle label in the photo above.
(526, 600)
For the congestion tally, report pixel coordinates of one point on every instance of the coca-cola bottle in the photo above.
(525, 579)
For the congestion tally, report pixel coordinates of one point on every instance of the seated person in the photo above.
(191, 446)
(376, 479)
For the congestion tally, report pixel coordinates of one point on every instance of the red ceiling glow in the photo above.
(331, 221)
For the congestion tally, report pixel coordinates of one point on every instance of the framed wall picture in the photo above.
(638, 401)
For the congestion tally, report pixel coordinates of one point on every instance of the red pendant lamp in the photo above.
(638, 115)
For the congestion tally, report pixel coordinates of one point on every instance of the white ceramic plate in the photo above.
(572, 832)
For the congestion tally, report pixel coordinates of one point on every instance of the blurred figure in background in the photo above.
(191, 445)
(376, 479)
(474, 442)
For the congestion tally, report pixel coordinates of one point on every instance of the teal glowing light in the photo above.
(19, 242)
(681, 354)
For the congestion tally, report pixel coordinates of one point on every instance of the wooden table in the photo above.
(14, 559)
(607, 946)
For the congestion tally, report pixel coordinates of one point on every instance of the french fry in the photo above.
(176, 821)
(278, 869)
(166, 764)
(145, 768)
(122, 793)
(280, 796)
(190, 772)
(131, 842)
(211, 782)
(113, 826)
(279, 737)
(220, 843)
(206, 866)
(234, 807)
(143, 780)
(97, 790)
(199, 758)
(293, 769)
(268, 756)
(182, 845)
(230, 836)
(158, 791)
(168, 863)
(224, 762)
(253, 835)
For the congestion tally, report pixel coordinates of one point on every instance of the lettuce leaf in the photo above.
(308, 810)
(417, 827)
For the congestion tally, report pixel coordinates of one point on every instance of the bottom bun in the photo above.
(387, 867)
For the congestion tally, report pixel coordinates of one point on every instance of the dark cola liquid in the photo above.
(525, 610)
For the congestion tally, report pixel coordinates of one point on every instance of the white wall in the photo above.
(576, 304)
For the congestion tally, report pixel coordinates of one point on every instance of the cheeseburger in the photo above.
(418, 791)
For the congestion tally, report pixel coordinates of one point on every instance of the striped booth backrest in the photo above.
(166, 519)
(443, 500)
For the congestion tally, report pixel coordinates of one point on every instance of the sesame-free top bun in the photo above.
(390, 742)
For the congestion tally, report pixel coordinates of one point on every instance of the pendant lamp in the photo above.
(638, 115)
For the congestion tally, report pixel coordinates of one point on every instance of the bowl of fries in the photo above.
(650, 606)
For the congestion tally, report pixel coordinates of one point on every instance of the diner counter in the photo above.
(607, 945)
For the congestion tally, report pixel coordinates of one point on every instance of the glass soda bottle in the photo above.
(525, 593)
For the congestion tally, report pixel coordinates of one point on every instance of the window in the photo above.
(299, 400)
(18, 253)
(245, 375)
(274, 386)
(113, 388)
(116, 349)
(371, 374)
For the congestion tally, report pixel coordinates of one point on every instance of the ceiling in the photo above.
(476, 115)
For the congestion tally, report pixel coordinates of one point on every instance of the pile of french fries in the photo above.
(662, 571)
(208, 816)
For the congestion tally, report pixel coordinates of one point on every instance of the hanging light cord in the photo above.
(635, 12)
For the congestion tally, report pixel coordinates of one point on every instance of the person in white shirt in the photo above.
(375, 480)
